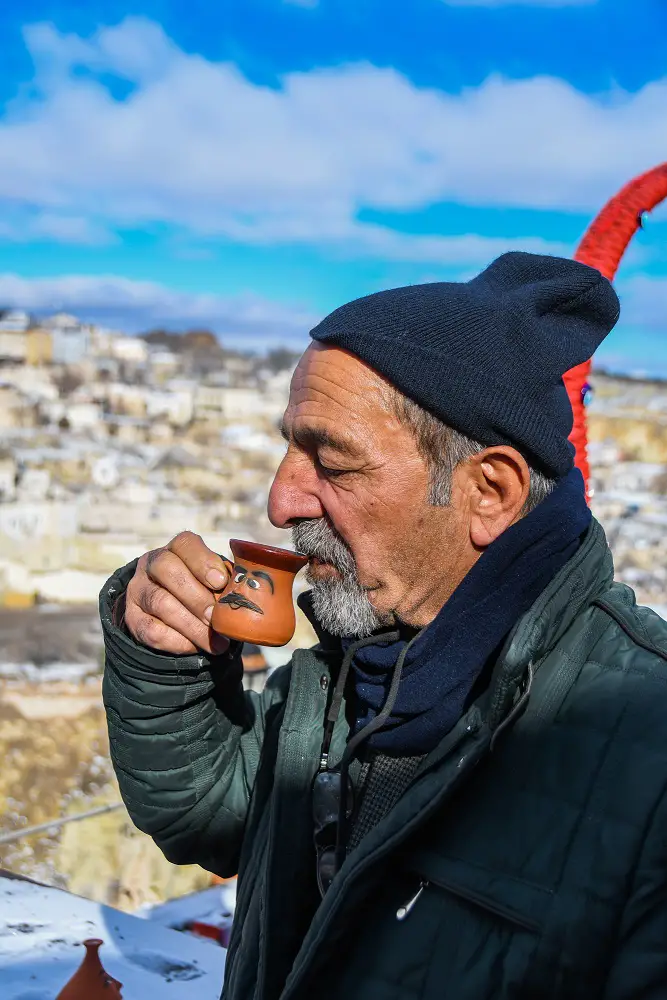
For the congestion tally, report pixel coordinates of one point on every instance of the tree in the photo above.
(659, 484)
(281, 359)
(201, 340)
(195, 340)
(164, 338)
(67, 381)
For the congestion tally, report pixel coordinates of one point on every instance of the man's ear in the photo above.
(498, 485)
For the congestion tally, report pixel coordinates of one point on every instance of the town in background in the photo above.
(111, 445)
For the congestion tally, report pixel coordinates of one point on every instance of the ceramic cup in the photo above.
(256, 605)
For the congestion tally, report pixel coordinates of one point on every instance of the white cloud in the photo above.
(197, 146)
(245, 319)
(53, 226)
(251, 321)
(450, 251)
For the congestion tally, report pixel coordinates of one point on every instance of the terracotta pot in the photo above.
(256, 605)
(91, 981)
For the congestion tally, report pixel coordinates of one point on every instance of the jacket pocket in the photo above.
(511, 899)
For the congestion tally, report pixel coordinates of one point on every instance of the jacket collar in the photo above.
(584, 578)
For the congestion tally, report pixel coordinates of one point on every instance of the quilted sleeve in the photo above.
(639, 963)
(185, 741)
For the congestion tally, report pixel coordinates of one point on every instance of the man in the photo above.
(460, 791)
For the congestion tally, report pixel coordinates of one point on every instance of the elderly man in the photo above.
(460, 791)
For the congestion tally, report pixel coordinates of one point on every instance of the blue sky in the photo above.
(250, 165)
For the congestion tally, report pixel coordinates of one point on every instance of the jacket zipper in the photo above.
(404, 911)
(524, 923)
(294, 980)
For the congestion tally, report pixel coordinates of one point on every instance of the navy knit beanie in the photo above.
(487, 356)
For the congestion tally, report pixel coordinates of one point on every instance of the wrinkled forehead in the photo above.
(339, 404)
(333, 381)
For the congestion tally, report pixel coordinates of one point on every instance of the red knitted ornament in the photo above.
(602, 247)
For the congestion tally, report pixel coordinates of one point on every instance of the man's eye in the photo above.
(239, 578)
(332, 473)
(254, 584)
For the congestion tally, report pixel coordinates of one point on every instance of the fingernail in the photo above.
(208, 614)
(216, 579)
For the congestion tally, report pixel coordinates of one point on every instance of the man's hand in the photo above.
(169, 600)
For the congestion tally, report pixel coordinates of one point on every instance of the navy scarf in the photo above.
(447, 657)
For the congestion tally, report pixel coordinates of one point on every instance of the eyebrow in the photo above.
(316, 437)
(240, 569)
(264, 576)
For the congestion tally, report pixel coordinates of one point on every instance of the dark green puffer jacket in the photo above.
(537, 829)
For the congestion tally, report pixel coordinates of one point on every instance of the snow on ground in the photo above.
(41, 930)
(213, 906)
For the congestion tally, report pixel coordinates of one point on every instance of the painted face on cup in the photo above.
(251, 590)
(256, 605)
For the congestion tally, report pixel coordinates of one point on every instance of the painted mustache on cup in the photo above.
(236, 600)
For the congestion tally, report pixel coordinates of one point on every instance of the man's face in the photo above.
(354, 489)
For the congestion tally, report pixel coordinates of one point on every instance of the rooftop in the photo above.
(42, 929)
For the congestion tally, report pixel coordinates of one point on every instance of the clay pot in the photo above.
(91, 981)
(256, 605)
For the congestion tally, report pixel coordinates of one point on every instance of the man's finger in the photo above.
(168, 571)
(159, 604)
(155, 634)
(207, 566)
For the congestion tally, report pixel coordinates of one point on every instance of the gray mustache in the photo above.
(236, 600)
(316, 538)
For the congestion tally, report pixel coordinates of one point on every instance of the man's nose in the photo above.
(293, 495)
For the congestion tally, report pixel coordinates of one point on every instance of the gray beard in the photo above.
(340, 604)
